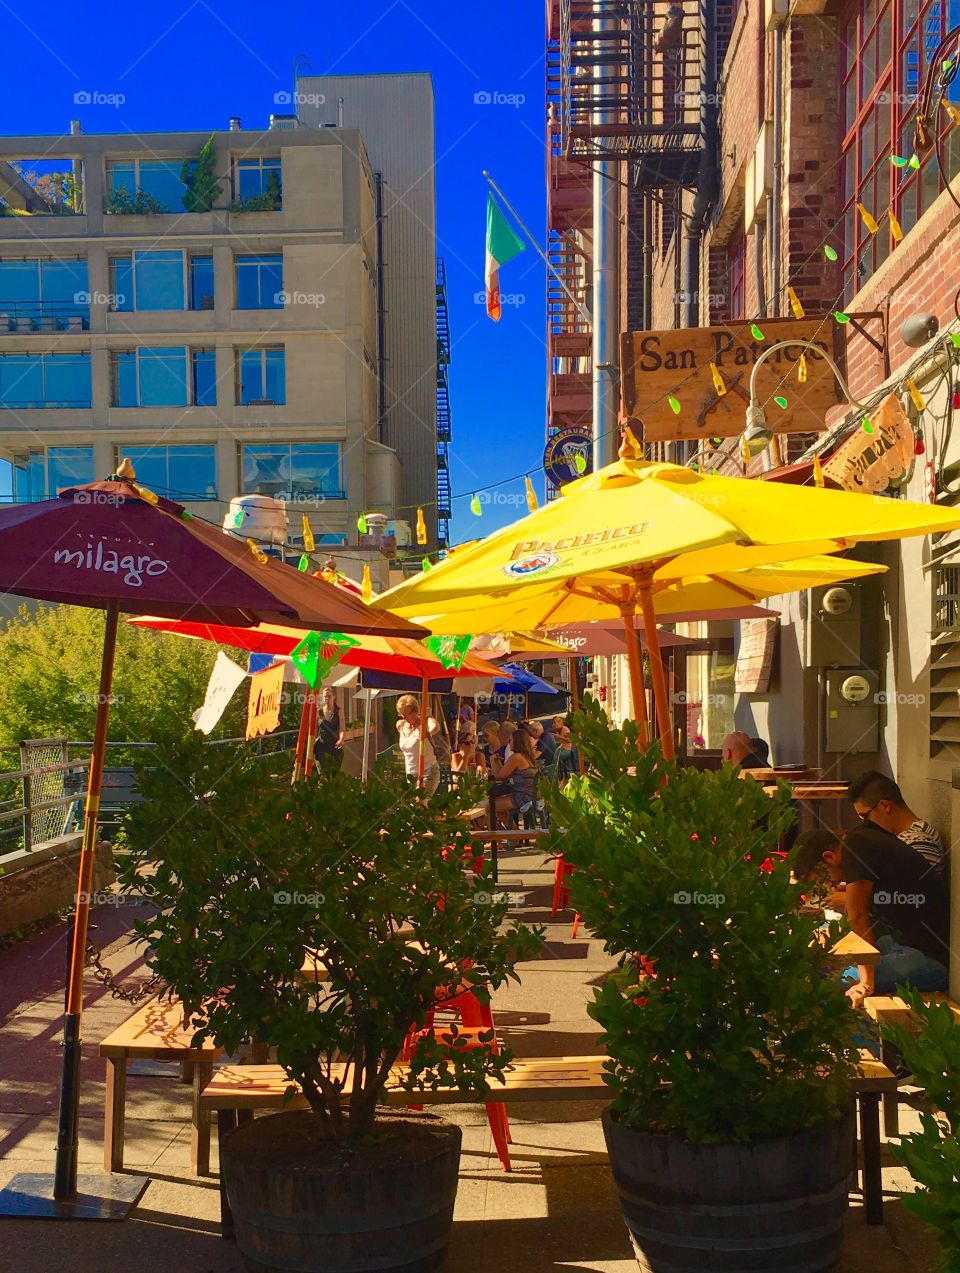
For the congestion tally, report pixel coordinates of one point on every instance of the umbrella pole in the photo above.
(424, 705)
(311, 710)
(365, 767)
(635, 665)
(65, 1174)
(301, 737)
(658, 675)
(574, 687)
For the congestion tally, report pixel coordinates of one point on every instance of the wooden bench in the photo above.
(892, 1010)
(155, 1032)
(236, 1092)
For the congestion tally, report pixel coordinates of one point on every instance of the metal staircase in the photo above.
(444, 428)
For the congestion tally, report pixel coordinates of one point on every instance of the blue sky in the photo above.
(191, 64)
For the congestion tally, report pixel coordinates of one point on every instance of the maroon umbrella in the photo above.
(115, 546)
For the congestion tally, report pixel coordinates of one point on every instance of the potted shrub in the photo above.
(931, 1053)
(729, 1044)
(248, 873)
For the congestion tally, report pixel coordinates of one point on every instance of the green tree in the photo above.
(50, 673)
(199, 177)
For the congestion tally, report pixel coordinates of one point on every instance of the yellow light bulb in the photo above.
(719, 383)
(421, 528)
(895, 228)
(308, 540)
(798, 310)
(145, 494)
(258, 552)
(802, 369)
(916, 397)
(532, 504)
(366, 587)
(818, 478)
(868, 219)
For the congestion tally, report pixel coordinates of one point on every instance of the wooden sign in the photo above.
(869, 462)
(263, 709)
(662, 364)
(758, 639)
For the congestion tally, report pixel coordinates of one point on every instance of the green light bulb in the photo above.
(674, 405)
(829, 252)
(755, 332)
(781, 402)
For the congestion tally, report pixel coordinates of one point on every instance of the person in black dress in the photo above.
(328, 748)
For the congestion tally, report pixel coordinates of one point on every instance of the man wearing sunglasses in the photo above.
(879, 802)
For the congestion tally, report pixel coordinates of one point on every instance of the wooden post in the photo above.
(657, 673)
(635, 664)
(424, 705)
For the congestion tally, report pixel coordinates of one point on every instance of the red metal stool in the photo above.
(561, 891)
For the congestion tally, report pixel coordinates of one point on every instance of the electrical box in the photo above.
(852, 710)
(834, 622)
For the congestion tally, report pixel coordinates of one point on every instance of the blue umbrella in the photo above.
(523, 682)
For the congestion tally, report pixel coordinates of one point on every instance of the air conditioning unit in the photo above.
(283, 121)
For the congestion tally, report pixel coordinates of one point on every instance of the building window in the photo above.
(150, 377)
(203, 377)
(158, 180)
(295, 470)
(201, 282)
(40, 474)
(42, 295)
(147, 280)
(45, 380)
(887, 47)
(185, 472)
(736, 277)
(259, 282)
(261, 377)
(259, 177)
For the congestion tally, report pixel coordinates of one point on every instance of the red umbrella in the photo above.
(115, 546)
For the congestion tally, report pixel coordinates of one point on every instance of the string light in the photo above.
(840, 316)
(830, 252)
(745, 452)
(951, 111)
(532, 504)
(818, 478)
(955, 339)
(868, 219)
(895, 227)
(755, 332)
(798, 310)
(147, 495)
(719, 383)
(425, 564)
(303, 564)
(866, 425)
(580, 462)
(239, 519)
(918, 447)
(916, 397)
(421, 528)
(308, 541)
(362, 523)
(899, 161)
(258, 552)
(781, 402)
(674, 404)
(475, 506)
(366, 587)
(802, 369)
(914, 161)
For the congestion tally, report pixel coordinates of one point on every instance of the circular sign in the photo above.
(535, 564)
(855, 689)
(561, 452)
(837, 600)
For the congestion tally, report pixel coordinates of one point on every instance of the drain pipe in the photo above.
(776, 211)
(606, 189)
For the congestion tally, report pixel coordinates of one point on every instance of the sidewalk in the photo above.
(557, 1209)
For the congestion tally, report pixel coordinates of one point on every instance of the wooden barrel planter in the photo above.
(302, 1203)
(767, 1205)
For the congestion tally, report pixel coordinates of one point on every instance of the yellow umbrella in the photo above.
(622, 531)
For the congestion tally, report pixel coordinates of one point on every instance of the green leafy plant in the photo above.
(932, 1155)
(122, 203)
(199, 177)
(270, 201)
(248, 873)
(722, 1022)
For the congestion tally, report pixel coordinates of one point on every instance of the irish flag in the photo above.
(502, 246)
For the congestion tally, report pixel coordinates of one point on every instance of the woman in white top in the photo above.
(408, 727)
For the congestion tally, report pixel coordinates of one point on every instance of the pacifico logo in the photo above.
(535, 564)
(109, 562)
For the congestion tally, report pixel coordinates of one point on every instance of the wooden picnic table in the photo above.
(786, 773)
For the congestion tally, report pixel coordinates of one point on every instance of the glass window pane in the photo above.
(121, 283)
(265, 469)
(192, 471)
(163, 377)
(149, 464)
(161, 178)
(19, 281)
(204, 377)
(159, 280)
(271, 282)
(68, 466)
(251, 376)
(248, 286)
(122, 176)
(201, 282)
(315, 470)
(29, 477)
(276, 377)
(21, 380)
(125, 379)
(61, 282)
(66, 380)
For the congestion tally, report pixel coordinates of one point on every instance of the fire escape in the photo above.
(443, 409)
(641, 67)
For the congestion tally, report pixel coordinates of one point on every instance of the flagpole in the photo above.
(551, 269)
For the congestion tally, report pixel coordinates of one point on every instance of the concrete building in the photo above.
(229, 339)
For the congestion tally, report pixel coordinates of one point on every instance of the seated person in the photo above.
(894, 899)
(545, 742)
(507, 730)
(516, 776)
(878, 801)
(761, 749)
(468, 759)
(737, 748)
(568, 758)
(490, 745)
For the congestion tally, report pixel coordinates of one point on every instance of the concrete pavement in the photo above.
(557, 1209)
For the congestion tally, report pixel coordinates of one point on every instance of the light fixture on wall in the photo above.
(916, 330)
(757, 435)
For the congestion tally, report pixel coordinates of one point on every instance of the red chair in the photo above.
(561, 891)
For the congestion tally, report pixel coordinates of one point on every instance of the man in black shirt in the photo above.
(895, 900)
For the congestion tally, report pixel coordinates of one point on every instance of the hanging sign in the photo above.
(224, 679)
(705, 371)
(450, 650)
(263, 708)
(567, 455)
(869, 462)
(318, 652)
